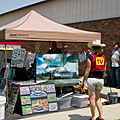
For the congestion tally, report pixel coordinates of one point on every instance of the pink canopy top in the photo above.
(36, 27)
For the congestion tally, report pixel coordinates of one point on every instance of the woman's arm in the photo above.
(104, 72)
(88, 68)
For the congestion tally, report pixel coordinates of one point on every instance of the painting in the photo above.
(25, 100)
(82, 57)
(18, 57)
(26, 109)
(11, 108)
(12, 97)
(56, 66)
(50, 88)
(40, 105)
(24, 91)
(36, 91)
(51, 97)
(30, 58)
(53, 106)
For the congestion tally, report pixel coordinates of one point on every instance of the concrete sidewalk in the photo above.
(110, 112)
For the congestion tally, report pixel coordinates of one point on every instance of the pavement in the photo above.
(110, 112)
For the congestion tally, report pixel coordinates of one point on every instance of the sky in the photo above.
(8, 5)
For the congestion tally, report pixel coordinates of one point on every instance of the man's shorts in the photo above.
(95, 83)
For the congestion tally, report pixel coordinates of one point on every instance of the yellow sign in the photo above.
(6, 48)
(99, 61)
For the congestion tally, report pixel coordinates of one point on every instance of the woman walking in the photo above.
(94, 74)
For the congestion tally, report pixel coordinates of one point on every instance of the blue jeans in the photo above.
(115, 76)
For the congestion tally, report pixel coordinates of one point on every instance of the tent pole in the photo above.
(6, 77)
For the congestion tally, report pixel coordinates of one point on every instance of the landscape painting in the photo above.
(56, 66)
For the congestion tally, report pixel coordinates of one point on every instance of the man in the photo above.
(115, 67)
(54, 49)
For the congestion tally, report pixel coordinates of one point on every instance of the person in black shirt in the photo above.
(54, 49)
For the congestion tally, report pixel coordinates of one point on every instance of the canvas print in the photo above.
(12, 100)
(11, 108)
(12, 97)
(82, 57)
(53, 106)
(50, 88)
(40, 105)
(25, 100)
(36, 91)
(18, 57)
(2, 84)
(24, 91)
(26, 109)
(56, 66)
(30, 58)
(51, 97)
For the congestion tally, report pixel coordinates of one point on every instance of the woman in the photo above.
(95, 71)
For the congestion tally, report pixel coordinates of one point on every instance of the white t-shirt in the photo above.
(115, 58)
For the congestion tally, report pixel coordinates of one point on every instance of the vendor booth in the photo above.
(35, 28)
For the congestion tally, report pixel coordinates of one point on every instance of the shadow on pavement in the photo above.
(78, 117)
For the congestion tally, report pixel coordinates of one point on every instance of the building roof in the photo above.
(25, 7)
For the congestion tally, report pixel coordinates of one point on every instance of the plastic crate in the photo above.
(79, 100)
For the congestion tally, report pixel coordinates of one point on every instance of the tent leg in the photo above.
(6, 77)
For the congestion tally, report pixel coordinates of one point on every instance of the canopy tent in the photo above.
(34, 27)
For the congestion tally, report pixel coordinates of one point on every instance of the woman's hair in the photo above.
(97, 50)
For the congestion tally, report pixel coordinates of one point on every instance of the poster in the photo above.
(12, 97)
(82, 57)
(25, 100)
(56, 66)
(18, 57)
(36, 91)
(51, 97)
(11, 108)
(50, 88)
(53, 106)
(40, 105)
(2, 85)
(8, 71)
(26, 110)
(30, 58)
(24, 91)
